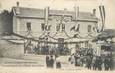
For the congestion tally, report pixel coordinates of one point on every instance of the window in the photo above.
(28, 24)
(43, 26)
(89, 28)
(63, 27)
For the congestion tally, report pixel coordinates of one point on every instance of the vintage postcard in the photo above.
(57, 36)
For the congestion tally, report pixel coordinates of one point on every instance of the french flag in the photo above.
(102, 14)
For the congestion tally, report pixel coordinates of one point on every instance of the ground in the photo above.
(35, 64)
(44, 70)
(33, 61)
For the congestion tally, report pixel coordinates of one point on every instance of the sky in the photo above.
(84, 5)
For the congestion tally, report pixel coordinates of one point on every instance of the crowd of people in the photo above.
(84, 57)
(91, 61)
(46, 50)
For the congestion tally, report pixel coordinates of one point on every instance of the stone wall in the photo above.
(8, 49)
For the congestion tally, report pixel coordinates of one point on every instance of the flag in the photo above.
(72, 28)
(94, 29)
(43, 26)
(77, 28)
(102, 14)
(49, 27)
(46, 27)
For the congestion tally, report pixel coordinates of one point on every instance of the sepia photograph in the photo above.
(57, 36)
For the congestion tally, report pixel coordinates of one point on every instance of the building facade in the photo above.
(67, 28)
(85, 22)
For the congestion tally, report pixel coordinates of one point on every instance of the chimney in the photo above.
(76, 9)
(94, 12)
(17, 4)
(65, 10)
(17, 8)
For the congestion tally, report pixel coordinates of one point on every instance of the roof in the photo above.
(107, 33)
(39, 13)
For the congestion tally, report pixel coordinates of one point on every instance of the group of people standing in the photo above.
(52, 62)
(48, 50)
(92, 62)
(101, 63)
(85, 58)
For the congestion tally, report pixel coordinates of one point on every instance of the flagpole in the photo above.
(46, 15)
(76, 9)
(76, 15)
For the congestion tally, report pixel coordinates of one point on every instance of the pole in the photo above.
(46, 16)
